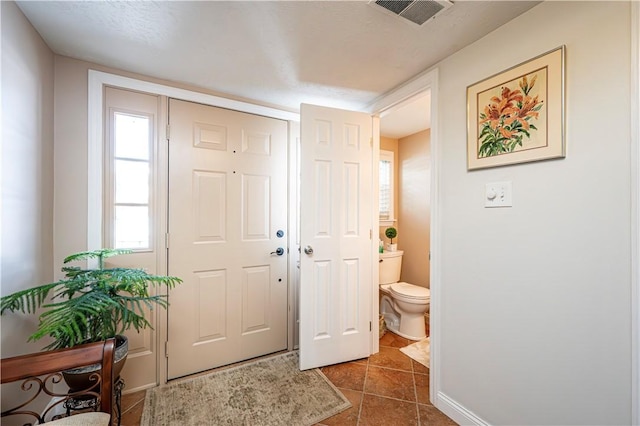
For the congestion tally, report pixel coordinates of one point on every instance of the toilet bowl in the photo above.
(403, 305)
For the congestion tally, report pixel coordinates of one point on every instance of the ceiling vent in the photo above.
(416, 11)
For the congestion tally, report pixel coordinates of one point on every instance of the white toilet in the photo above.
(402, 304)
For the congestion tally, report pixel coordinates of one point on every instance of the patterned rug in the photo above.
(420, 351)
(270, 391)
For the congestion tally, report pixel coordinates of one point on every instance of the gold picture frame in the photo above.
(517, 115)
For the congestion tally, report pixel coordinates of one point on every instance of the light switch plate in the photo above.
(498, 194)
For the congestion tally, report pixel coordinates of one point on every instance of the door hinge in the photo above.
(166, 240)
(370, 233)
(371, 142)
(168, 131)
(370, 326)
(166, 349)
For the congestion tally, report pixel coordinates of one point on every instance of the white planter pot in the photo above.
(392, 247)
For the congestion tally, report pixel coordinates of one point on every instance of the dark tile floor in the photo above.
(386, 389)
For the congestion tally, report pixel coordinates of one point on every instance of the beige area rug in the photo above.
(270, 391)
(419, 351)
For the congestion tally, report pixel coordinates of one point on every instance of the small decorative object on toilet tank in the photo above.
(391, 233)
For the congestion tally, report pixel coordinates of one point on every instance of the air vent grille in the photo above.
(394, 6)
(416, 11)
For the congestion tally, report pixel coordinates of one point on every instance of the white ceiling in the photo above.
(343, 54)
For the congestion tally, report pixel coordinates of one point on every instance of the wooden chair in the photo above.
(40, 373)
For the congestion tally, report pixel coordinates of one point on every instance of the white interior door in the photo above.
(227, 204)
(336, 229)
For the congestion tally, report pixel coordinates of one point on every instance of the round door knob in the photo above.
(308, 250)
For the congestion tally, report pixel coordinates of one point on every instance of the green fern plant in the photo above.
(90, 305)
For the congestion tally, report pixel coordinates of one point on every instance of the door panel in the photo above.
(255, 298)
(336, 223)
(209, 205)
(227, 200)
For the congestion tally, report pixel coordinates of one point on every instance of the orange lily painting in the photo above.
(517, 115)
(512, 116)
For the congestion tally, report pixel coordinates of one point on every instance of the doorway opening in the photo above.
(405, 131)
(417, 102)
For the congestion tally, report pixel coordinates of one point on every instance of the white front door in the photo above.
(227, 220)
(336, 219)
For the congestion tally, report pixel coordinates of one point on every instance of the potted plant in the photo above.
(91, 305)
(391, 233)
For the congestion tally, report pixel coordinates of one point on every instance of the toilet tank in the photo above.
(389, 267)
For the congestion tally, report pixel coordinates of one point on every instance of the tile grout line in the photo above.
(415, 392)
(364, 385)
(132, 406)
(411, 371)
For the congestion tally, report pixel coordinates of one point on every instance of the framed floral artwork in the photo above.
(517, 116)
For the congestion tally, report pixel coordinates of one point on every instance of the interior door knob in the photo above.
(308, 250)
(279, 252)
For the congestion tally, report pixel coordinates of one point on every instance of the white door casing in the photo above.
(228, 199)
(336, 223)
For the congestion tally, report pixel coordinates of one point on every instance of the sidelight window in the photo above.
(130, 183)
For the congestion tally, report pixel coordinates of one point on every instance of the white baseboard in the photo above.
(457, 412)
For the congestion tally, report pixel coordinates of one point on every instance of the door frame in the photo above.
(635, 213)
(97, 80)
(427, 81)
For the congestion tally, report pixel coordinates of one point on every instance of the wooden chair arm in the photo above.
(48, 365)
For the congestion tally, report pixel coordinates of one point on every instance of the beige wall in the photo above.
(414, 213)
(535, 300)
(70, 159)
(27, 170)
(390, 144)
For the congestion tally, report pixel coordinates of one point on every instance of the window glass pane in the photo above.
(385, 189)
(132, 182)
(132, 227)
(131, 136)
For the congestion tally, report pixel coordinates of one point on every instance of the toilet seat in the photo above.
(410, 292)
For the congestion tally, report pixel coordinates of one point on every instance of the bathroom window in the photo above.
(386, 196)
